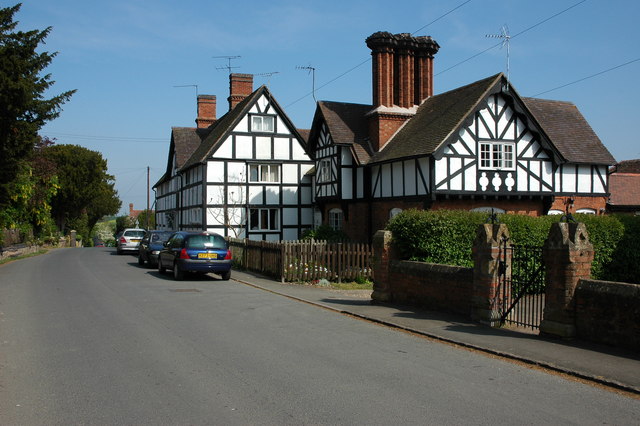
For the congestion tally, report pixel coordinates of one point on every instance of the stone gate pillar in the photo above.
(485, 300)
(383, 253)
(568, 255)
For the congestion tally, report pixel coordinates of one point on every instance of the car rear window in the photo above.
(206, 241)
(162, 237)
(134, 234)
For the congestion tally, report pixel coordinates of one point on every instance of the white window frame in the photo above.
(263, 123)
(335, 219)
(269, 173)
(324, 170)
(497, 155)
(267, 219)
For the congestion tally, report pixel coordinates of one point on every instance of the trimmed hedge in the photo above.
(446, 237)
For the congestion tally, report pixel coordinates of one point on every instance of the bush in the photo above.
(446, 237)
(325, 233)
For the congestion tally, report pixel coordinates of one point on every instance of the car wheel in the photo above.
(160, 267)
(118, 251)
(140, 260)
(178, 275)
(226, 275)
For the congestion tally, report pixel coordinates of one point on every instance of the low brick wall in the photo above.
(608, 312)
(438, 287)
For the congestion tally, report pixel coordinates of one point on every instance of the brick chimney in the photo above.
(240, 86)
(206, 111)
(402, 76)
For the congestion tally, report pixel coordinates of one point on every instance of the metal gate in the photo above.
(522, 285)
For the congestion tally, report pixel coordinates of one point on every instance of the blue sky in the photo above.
(125, 57)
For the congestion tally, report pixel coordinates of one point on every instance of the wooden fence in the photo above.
(305, 260)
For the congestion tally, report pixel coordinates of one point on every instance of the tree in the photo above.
(85, 187)
(23, 108)
(142, 219)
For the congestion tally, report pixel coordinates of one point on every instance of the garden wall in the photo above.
(438, 287)
(608, 312)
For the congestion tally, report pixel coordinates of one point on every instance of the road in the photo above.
(89, 337)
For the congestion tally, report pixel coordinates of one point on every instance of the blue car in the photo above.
(200, 252)
(150, 246)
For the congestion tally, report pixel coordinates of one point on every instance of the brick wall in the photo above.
(598, 204)
(608, 312)
(438, 287)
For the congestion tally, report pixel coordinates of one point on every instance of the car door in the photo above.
(175, 246)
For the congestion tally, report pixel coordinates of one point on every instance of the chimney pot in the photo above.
(206, 110)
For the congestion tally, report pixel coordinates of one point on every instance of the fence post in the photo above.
(568, 254)
(383, 253)
(485, 299)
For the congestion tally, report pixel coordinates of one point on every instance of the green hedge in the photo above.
(446, 237)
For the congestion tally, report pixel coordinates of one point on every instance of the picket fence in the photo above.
(311, 260)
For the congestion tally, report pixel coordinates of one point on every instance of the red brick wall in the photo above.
(441, 287)
(598, 204)
(608, 312)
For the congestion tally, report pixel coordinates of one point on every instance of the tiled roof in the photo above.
(436, 120)
(217, 132)
(186, 141)
(440, 117)
(348, 125)
(624, 189)
(627, 166)
(569, 131)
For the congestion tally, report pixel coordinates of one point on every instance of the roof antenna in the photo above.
(191, 85)
(312, 71)
(268, 75)
(506, 38)
(229, 59)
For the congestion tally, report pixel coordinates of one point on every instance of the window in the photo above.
(394, 212)
(264, 173)
(335, 219)
(497, 155)
(264, 219)
(586, 211)
(324, 171)
(262, 123)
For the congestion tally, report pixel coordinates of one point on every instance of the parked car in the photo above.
(150, 246)
(195, 252)
(129, 240)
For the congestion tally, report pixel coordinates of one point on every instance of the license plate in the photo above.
(135, 241)
(207, 255)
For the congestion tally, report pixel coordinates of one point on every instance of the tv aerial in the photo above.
(312, 71)
(229, 59)
(506, 40)
(268, 75)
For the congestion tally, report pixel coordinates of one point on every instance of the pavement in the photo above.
(613, 367)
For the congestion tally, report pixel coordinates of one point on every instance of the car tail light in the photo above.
(123, 240)
(228, 256)
(184, 254)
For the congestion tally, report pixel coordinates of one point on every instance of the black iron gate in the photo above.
(522, 285)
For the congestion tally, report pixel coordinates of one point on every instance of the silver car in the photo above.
(129, 240)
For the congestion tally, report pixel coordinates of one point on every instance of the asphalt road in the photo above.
(89, 337)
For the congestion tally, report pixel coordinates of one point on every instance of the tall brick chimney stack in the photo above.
(240, 86)
(402, 76)
(206, 111)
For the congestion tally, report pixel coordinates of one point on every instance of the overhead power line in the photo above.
(104, 138)
(588, 77)
(312, 93)
(512, 37)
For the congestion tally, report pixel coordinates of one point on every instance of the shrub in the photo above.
(446, 237)
(325, 233)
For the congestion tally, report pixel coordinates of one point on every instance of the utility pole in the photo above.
(148, 211)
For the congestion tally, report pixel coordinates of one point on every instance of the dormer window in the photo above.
(262, 123)
(497, 155)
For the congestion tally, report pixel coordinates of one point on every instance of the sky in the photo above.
(126, 57)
